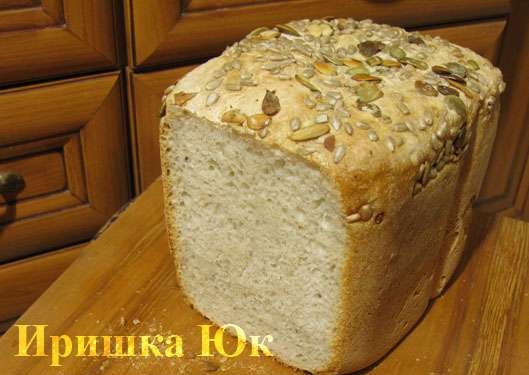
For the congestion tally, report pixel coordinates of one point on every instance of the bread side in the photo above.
(401, 124)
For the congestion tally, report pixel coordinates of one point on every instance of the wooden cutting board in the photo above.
(123, 283)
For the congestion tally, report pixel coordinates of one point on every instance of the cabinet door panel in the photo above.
(67, 141)
(51, 37)
(166, 31)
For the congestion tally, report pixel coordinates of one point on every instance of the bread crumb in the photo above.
(136, 322)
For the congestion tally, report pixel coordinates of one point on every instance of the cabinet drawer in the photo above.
(67, 142)
(166, 31)
(146, 90)
(52, 37)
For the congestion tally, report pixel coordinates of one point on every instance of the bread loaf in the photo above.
(318, 180)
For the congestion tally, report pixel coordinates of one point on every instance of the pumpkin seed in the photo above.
(469, 93)
(366, 77)
(425, 88)
(269, 34)
(397, 52)
(181, 98)
(309, 132)
(233, 116)
(415, 39)
(441, 70)
(370, 48)
(352, 63)
(368, 92)
(456, 104)
(370, 108)
(421, 65)
(358, 70)
(163, 108)
(391, 64)
(374, 61)
(457, 69)
(325, 68)
(445, 90)
(287, 29)
(259, 121)
(473, 64)
(305, 82)
(270, 105)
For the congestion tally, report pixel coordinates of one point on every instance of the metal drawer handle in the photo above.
(11, 183)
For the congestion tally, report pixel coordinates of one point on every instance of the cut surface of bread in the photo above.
(319, 178)
(263, 238)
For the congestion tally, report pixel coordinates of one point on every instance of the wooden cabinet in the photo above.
(166, 31)
(52, 37)
(67, 141)
(146, 90)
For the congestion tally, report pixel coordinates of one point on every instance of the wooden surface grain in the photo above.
(124, 284)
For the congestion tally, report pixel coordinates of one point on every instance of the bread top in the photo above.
(347, 95)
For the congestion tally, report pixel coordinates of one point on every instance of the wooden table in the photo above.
(123, 283)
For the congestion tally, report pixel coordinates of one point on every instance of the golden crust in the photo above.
(408, 174)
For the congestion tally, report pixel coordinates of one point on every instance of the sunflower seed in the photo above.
(321, 118)
(400, 127)
(353, 218)
(212, 99)
(309, 132)
(339, 153)
(268, 34)
(391, 64)
(321, 107)
(309, 102)
(403, 108)
(163, 108)
(372, 135)
(233, 80)
(370, 108)
(417, 188)
(390, 144)
(415, 39)
(441, 70)
(428, 118)
(295, 124)
(213, 84)
(168, 90)
(305, 82)
(374, 61)
(330, 58)
(336, 123)
(263, 132)
(233, 116)
(348, 128)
